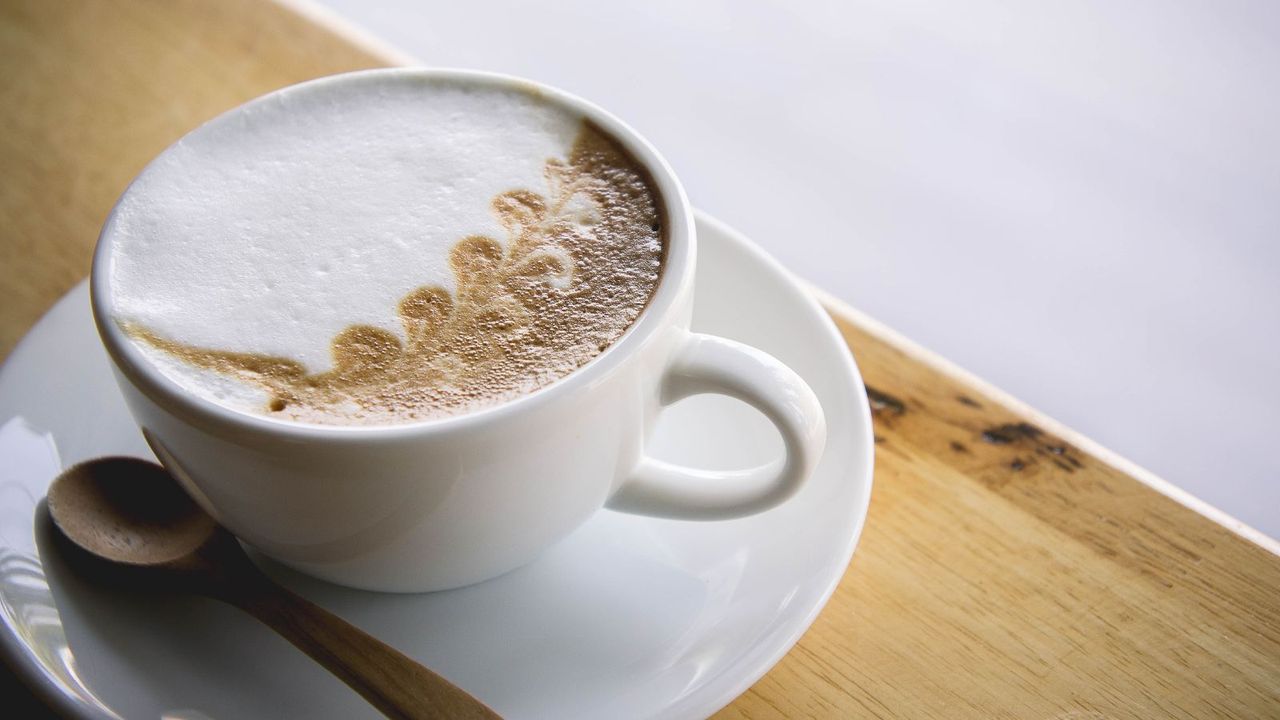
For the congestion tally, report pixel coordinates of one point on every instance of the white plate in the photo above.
(628, 617)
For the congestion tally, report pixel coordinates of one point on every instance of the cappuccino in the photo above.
(385, 251)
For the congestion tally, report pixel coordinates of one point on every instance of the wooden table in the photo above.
(1009, 568)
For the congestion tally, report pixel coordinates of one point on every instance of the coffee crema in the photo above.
(577, 262)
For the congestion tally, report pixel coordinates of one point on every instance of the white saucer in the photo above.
(628, 617)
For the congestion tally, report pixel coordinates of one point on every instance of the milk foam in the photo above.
(275, 227)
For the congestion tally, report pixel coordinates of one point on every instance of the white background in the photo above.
(1078, 201)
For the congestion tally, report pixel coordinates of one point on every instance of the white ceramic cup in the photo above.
(447, 502)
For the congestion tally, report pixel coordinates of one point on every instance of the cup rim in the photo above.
(677, 274)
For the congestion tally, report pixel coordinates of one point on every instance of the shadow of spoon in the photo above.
(129, 523)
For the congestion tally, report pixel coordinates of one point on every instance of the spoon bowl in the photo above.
(128, 511)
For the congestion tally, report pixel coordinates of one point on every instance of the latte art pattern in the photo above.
(579, 265)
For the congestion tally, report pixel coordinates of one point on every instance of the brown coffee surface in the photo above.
(579, 265)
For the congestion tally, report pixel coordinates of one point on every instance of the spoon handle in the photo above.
(388, 679)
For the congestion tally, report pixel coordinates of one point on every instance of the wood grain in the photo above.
(1009, 568)
(1005, 572)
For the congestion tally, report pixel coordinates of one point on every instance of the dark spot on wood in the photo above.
(995, 437)
(1016, 465)
(1010, 433)
(959, 447)
(884, 402)
(968, 401)
(878, 438)
(1043, 445)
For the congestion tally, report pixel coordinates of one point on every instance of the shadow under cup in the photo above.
(449, 501)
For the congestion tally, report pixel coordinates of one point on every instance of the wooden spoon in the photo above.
(130, 523)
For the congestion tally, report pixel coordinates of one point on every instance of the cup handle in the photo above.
(710, 364)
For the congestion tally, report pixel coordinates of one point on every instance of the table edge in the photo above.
(841, 310)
